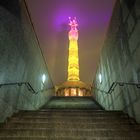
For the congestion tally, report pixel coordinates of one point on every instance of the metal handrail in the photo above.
(114, 84)
(27, 84)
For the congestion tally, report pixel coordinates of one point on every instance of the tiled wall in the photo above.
(120, 60)
(21, 60)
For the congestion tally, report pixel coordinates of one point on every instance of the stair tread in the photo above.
(79, 133)
(66, 138)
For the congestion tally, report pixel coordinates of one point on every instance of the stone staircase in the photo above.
(62, 123)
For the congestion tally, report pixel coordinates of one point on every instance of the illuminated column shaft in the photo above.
(73, 59)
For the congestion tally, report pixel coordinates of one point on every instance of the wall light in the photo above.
(43, 78)
(100, 78)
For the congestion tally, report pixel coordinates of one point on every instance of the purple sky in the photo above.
(50, 18)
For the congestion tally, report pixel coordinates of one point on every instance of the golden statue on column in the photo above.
(73, 86)
(73, 59)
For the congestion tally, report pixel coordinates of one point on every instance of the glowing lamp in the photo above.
(100, 78)
(43, 78)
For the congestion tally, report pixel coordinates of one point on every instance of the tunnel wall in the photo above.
(21, 60)
(120, 60)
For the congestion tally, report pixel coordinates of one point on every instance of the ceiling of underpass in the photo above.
(50, 19)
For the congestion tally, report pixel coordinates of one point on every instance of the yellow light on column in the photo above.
(73, 60)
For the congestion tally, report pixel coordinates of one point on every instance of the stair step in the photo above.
(72, 115)
(66, 138)
(71, 125)
(70, 111)
(61, 132)
(76, 120)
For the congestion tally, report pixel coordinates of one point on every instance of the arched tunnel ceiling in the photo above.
(50, 19)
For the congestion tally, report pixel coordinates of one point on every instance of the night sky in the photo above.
(50, 18)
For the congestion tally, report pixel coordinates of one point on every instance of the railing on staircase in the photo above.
(115, 84)
(27, 84)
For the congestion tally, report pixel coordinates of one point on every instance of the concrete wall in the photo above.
(21, 60)
(120, 60)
